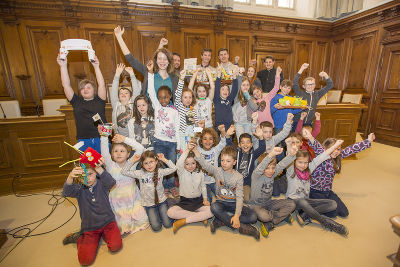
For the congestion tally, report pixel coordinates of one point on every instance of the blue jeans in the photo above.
(169, 151)
(221, 208)
(90, 142)
(158, 217)
(210, 188)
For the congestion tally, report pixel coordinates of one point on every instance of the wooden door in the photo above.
(281, 59)
(386, 113)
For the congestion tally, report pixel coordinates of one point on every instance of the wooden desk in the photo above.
(340, 121)
(31, 149)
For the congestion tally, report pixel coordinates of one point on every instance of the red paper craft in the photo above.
(90, 156)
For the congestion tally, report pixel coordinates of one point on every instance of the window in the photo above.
(264, 2)
(286, 3)
(243, 1)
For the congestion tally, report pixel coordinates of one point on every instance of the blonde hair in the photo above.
(308, 79)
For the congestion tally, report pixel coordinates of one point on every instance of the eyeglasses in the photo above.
(309, 84)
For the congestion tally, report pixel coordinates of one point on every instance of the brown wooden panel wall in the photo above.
(349, 50)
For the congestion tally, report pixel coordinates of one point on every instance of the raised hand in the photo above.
(118, 31)
(182, 74)
(317, 116)
(163, 42)
(235, 71)
(230, 131)
(219, 70)
(371, 137)
(303, 115)
(192, 145)
(292, 149)
(258, 132)
(75, 173)
(254, 116)
(278, 71)
(61, 62)
(118, 138)
(96, 62)
(161, 157)
(275, 151)
(130, 71)
(324, 75)
(120, 68)
(150, 66)
(290, 117)
(241, 70)
(221, 129)
(135, 158)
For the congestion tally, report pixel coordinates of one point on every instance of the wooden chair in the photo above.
(352, 98)
(9, 109)
(50, 106)
(395, 258)
(334, 96)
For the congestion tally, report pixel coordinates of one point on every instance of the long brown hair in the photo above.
(192, 155)
(241, 98)
(337, 162)
(254, 76)
(170, 67)
(192, 93)
(302, 154)
(151, 154)
(136, 113)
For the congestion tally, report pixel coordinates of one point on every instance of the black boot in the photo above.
(248, 229)
(71, 238)
(334, 226)
(215, 223)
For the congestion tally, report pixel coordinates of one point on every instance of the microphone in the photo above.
(4, 114)
(37, 110)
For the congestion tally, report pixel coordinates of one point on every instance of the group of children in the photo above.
(165, 139)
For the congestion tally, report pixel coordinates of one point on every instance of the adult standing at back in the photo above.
(163, 66)
(267, 76)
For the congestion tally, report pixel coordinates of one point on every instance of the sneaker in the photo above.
(248, 229)
(71, 238)
(306, 219)
(335, 226)
(289, 219)
(266, 228)
(166, 193)
(299, 219)
(215, 223)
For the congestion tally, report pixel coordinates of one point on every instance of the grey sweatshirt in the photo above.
(276, 139)
(146, 182)
(120, 114)
(228, 185)
(191, 184)
(261, 185)
(300, 188)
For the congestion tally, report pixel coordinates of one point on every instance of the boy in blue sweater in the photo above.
(278, 113)
(223, 99)
(97, 217)
(246, 157)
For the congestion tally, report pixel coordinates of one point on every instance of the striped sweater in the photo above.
(182, 109)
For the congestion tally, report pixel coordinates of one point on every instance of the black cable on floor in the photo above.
(54, 201)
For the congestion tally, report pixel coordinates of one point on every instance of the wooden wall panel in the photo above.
(358, 68)
(238, 46)
(321, 59)
(148, 43)
(194, 43)
(45, 44)
(303, 54)
(337, 63)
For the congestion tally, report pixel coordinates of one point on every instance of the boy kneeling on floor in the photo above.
(97, 218)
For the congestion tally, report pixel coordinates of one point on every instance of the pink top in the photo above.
(264, 113)
(316, 130)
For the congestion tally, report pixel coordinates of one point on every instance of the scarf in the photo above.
(302, 175)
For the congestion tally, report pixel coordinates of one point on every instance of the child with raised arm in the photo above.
(167, 125)
(193, 205)
(125, 195)
(122, 100)
(184, 102)
(210, 149)
(163, 65)
(298, 178)
(204, 95)
(150, 177)
(246, 157)
(322, 177)
(97, 217)
(90, 102)
(264, 102)
(309, 94)
(229, 194)
(270, 212)
(314, 132)
(223, 99)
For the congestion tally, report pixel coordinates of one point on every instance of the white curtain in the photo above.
(333, 9)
